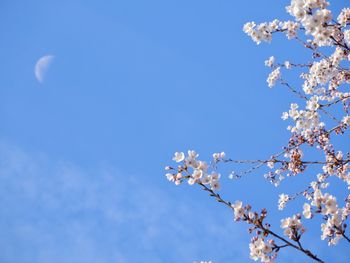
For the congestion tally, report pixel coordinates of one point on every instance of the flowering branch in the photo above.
(258, 223)
(325, 83)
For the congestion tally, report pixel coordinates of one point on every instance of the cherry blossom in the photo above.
(179, 156)
(260, 250)
(318, 115)
(282, 201)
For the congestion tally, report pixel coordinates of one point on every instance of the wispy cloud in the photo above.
(54, 211)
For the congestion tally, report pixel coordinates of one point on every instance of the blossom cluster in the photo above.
(325, 76)
(344, 17)
(262, 250)
(326, 204)
(273, 77)
(259, 248)
(282, 201)
(193, 170)
(306, 121)
(314, 17)
(264, 31)
(292, 227)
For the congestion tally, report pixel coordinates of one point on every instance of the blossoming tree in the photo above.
(315, 123)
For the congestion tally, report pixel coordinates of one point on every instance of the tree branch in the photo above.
(260, 226)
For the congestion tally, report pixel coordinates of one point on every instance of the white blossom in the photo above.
(260, 250)
(273, 77)
(238, 210)
(287, 65)
(344, 16)
(270, 62)
(215, 185)
(285, 116)
(197, 174)
(282, 201)
(291, 226)
(346, 120)
(218, 156)
(307, 211)
(170, 177)
(179, 157)
(347, 36)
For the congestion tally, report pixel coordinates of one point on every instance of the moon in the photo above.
(41, 67)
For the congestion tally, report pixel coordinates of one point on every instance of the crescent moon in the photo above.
(42, 66)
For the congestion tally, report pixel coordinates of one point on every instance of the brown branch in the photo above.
(300, 95)
(346, 237)
(337, 43)
(335, 102)
(281, 161)
(342, 232)
(266, 230)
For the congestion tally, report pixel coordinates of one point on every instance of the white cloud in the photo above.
(61, 212)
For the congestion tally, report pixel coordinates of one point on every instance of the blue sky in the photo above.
(83, 153)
